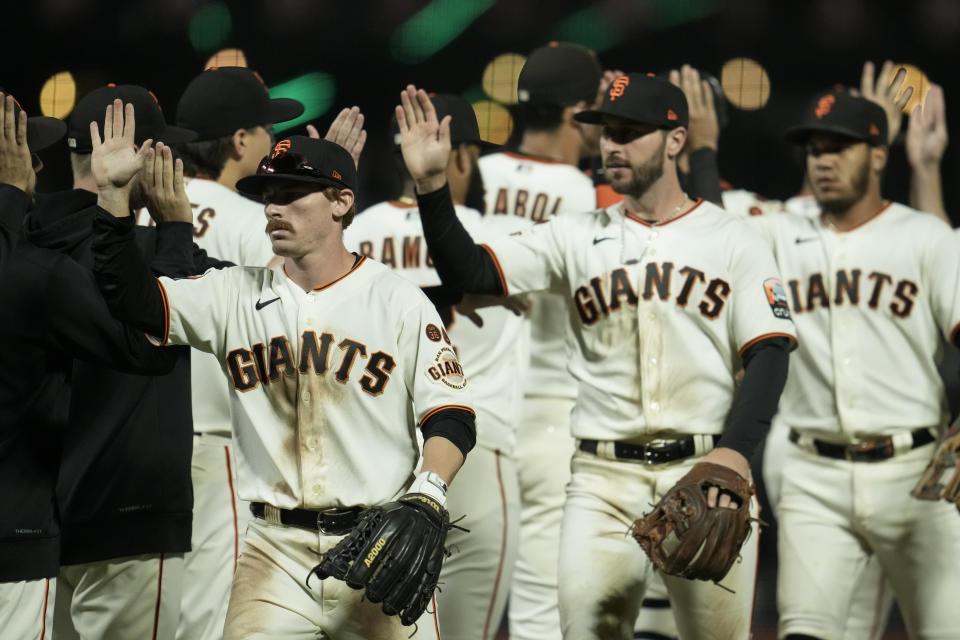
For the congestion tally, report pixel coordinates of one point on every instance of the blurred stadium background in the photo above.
(770, 56)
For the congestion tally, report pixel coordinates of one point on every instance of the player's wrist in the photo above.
(431, 484)
(114, 201)
(430, 184)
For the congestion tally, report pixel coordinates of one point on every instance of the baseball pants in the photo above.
(872, 599)
(270, 597)
(26, 609)
(604, 572)
(656, 614)
(835, 514)
(219, 520)
(476, 578)
(119, 599)
(544, 448)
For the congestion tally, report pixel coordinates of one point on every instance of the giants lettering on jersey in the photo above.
(611, 293)
(267, 363)
(412, 252)
(523, 205)
(877, 289)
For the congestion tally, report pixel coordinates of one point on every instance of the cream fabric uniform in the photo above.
(476, 578)
(870, 306)
(26, 609)
(321, 403)
(522, 191)
(650, 301)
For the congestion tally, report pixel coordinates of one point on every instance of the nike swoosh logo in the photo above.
(801, 240)
(599, 240)
(261, 305)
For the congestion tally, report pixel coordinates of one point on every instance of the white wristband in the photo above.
(431, 484)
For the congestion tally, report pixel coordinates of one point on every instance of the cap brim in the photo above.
(589, 117)
(283, 109)
(43, 131)
(253, 186)
(800, 134)
(175, 135)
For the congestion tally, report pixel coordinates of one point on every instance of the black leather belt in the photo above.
(332, 522)
(872, 450)
(659, 453)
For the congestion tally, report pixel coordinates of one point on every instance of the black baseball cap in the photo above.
(842, 113)
(463, 121)
(42, 131)
(149, 115)
(560, 73)
(223, 99)
(302, 159)
(643, 98)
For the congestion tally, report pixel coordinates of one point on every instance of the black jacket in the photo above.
(13, 204)
(124, 485)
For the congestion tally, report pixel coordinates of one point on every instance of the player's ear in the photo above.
(238, 143)
(344, 201)
(675, 139)
(878, 158)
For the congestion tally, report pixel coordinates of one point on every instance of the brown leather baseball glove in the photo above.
(946, 460)
(686, 538)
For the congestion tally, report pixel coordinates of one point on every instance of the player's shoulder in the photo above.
(210, 193)
(901, 215)
(388, 285)
(518, 162)
(746, 203)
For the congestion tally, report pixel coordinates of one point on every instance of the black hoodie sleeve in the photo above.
(704, 178)
(13, 206)
(130, 289)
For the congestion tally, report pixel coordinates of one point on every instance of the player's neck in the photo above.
(320, 267)
(559, 146)
(231, 174)
(663, 201)
(860, 212)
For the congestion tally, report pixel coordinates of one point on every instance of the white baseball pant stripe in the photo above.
(26, 609)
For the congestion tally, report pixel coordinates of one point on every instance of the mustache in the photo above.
(273, 225)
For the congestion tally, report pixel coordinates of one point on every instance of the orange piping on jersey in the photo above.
(437, 410)
(330, 284)
(503, 549)
(953, 334)
(436, 622)
(792, 338)
(885, 206)
(166, 314)
(43, 620)
(647, 223)
(156, 609)
(496, 264)
(402, 205)
(606, 196)
(521, 156)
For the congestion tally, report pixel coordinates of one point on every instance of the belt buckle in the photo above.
(333, 513)
(879, 449)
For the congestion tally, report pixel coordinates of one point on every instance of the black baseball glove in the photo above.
(395, 553)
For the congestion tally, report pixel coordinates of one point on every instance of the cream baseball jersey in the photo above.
(522, 191)
(663, 312)
(494, 355)
(322, 380)
(748, 203)
(870, 305)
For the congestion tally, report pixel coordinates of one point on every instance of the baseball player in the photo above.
(327, 354)
(524, 189)
(671, 298)
(475, 579)
(872, 286)
(232, 113)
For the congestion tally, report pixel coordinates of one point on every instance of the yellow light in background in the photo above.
(58, 95)
(500, 77)
(916, 79)
(495, 121)
(745, 83)
(227, 58)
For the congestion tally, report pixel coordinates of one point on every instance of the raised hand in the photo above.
(927, 130)
(347, 131)
(425, 142)
(162, 182)
(115, 160)
(883, 90)
(704, 129)
(605, 81)
(16, 167)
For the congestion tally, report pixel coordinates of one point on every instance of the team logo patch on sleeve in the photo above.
(777, 298)
(433, 333)
(446, 369)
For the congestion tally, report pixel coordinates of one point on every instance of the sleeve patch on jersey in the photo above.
(433, 333)
(777, 298)
(446, 369)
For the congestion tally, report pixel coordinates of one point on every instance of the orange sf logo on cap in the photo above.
(618, 87)
(281, 149)
(824, 105)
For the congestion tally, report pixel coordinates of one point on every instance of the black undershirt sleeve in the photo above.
(13, 205)
(456, 425)
(132, 293)
(444, 299)
(703, 180)
(463, 265)
(765, 374)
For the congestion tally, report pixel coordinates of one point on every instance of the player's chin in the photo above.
(283, 247)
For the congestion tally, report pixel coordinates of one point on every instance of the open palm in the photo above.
(424, 142)
(115, 160)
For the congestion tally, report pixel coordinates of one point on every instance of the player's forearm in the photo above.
(124, 278)
(704, 178)
(926, 191)
(765, 374)
(462, 264)
(450, 427)
(442, 457)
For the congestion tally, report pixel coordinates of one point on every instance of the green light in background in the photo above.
(671, 13)
(315, 90)
(210, 27)
(589, 28)
(474, 94)
(434, 27)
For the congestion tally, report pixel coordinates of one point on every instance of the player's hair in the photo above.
(539, 117)
(80, 164)
(206, 158)
(332, 193)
